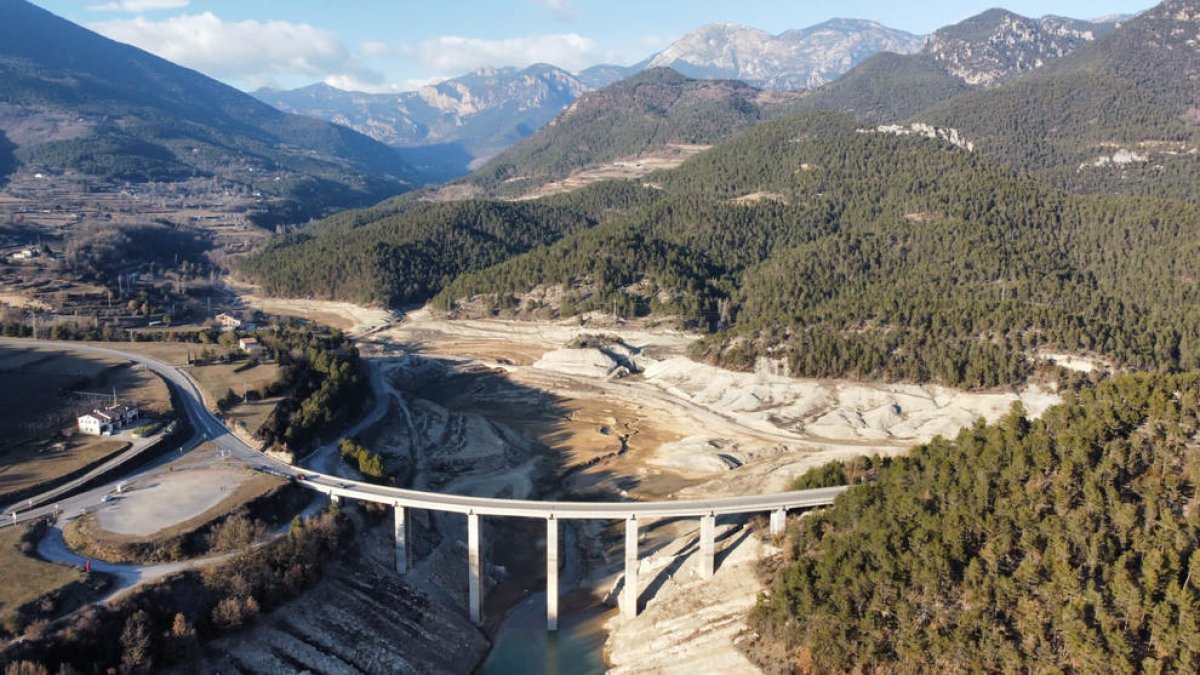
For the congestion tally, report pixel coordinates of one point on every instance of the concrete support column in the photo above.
(474, 569)
(403, 552)
(708, 546)
(778, 522)
(551, 574)
(336, 499)
(629, 608)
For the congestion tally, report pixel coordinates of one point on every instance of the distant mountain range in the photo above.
(73, 100)
(448, 128)
(444, 127)
(794, 59)
(982, 51)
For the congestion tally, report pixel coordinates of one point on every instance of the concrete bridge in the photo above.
(475, 508)
(210, 428)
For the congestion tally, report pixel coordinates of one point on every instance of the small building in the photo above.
(228, 321)
(95, 424)
(109, 420)
(25, 254)
(251, 346)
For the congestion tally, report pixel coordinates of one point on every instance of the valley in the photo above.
(838, 348)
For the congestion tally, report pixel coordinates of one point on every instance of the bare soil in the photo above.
(172, 502)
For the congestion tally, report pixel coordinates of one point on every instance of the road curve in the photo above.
(209, 427)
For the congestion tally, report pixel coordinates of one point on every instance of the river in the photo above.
(524, 646)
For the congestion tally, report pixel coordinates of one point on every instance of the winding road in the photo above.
(209, 428)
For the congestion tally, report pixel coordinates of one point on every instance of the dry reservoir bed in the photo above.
(636, 415)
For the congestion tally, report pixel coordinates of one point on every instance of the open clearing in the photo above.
(620, 169)
(30, 465)
(27, 578)
(180, 500)
(219, 379)
(351, 318)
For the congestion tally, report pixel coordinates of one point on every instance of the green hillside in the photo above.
(646, 112)
(886, 88)
(1133, 89)
(1063, 544)
(401, 253)
(877, 256)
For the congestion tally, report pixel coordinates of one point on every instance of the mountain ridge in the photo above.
(103, 106)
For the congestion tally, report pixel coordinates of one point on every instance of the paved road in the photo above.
(205, 425)
(136, 448)
(209, 427)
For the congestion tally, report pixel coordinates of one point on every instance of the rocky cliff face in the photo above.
(795, 59)
(992, 47)
(483, 112)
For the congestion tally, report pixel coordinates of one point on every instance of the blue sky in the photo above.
(385, 45)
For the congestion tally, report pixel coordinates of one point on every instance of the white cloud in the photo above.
(453, 54)
(353, 83)
(139, 5)
(562, 8)
(375, 49)
(245, 53)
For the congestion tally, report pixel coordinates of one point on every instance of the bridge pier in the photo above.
(551, 574)
(474, 569)
(629, 609)
(708, 545)
(403, 552)
(778, 522)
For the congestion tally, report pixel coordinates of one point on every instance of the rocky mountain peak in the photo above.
(795, 59)
(989, 48)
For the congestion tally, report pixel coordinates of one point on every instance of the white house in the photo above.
(228, 321)
(94, 424)
(108, 421)
(251, 346)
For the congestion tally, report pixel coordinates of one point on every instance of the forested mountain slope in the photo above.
(637, 116)
(403, 252)
(1063, 544)
(75, 100)
(983, 51)
(874, 256)
(1122, 113)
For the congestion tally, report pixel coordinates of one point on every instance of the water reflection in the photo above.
(524, 647)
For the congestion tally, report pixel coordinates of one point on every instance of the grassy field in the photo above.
(216, 380)
(26, 579)
(173, 353)
(219, 379)
(30, 464)
(42, 391)
(252, 415)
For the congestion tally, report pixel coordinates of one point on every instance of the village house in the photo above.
(228, 321)
(251, 346)
(109, 420)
